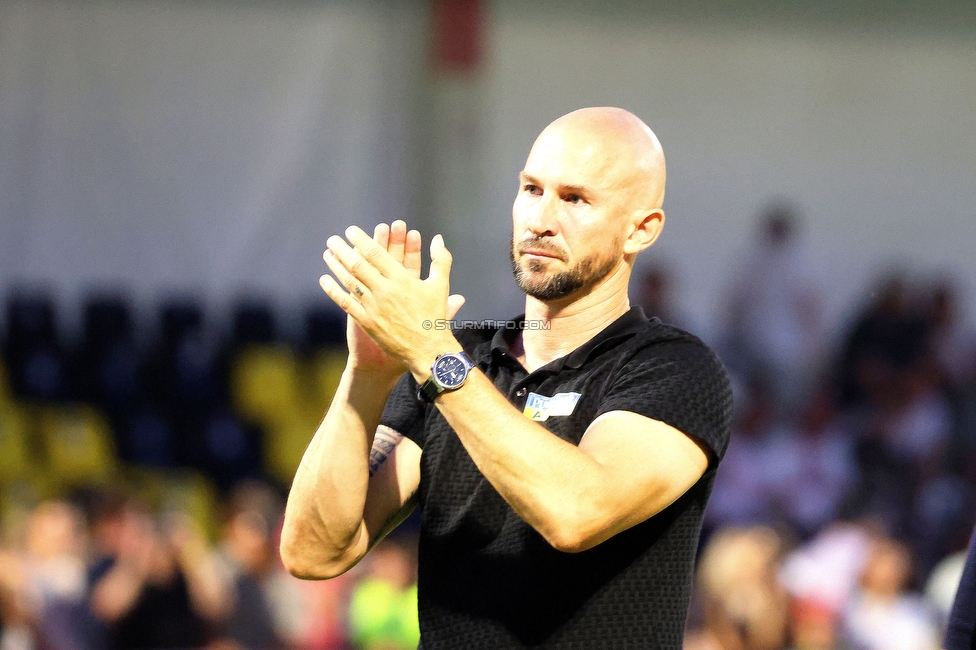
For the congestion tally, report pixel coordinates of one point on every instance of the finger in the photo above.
(381, 235)
(398, 239)
(412, 257)
(440, 261)
(367, 261)
(348, 280)
(341, 298)
(454, 303)
(353, 259)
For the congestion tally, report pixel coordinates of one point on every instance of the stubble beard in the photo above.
(584, 273)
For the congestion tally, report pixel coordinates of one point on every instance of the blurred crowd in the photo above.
(143, 473)
(101, 569)
(144, 464)
(842, 510)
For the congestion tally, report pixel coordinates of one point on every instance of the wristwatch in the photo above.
(448, 372)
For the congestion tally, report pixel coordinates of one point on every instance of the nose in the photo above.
(542, 216)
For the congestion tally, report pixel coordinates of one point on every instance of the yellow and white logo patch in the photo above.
(541, 408)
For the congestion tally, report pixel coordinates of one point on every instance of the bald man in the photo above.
(561, 463)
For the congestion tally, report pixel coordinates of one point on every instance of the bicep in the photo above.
(647, 465)
(394, 466)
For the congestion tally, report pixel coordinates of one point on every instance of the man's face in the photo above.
(568, 215)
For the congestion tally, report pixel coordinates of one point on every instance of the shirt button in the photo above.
(520, 392)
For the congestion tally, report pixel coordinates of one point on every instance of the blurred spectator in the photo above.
(266, 608)
(905, 434)
(943, 582)
(888, 336)
(827, 569)
(952, 339)
(159, 587)
(656, 294)
(884, 615)
(773, 324)
(811, 467)
(42, 584)
(815, 626)
(744, 606)
(53, 575)
(16, 629)
(325, 605)
(383, 608)
(744, 490)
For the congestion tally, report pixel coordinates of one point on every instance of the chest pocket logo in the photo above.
(540, 408)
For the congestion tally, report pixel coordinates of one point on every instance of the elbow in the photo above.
(574, 532)
(305, 568)
(302, 561)
(568, 541)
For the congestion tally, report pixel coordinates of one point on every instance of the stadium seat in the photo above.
(326, 371)
(265, 382)
(78, 443)
(284, 444)
(16, 459)
(6, 397)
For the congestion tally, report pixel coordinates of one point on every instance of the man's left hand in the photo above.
(393, 307)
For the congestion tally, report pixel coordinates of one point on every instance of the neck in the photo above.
(574, 320)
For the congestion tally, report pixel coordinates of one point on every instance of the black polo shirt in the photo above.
(486, 578)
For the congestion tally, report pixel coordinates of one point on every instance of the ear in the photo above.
(646, 230)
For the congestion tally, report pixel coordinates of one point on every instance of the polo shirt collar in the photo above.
(628, 324)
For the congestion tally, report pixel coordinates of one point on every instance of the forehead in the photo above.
(577, 157)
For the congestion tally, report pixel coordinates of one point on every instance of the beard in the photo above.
(587, 272)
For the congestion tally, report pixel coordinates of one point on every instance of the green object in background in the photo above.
(382, 617)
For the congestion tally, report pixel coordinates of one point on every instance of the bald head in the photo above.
(589, 201)
(611, 147)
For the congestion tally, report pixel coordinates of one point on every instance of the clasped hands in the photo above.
(377, 284)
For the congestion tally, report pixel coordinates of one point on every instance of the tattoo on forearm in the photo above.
(384, 443)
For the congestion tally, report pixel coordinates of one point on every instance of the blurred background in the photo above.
(170, 171)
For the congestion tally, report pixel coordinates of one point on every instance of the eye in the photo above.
(534, 190)
(573, 198)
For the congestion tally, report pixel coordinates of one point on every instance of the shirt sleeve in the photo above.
(405, 413)
(681, 383)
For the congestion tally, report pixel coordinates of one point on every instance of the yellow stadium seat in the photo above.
(5, 396)
(284, 444)
(326, 371)
(20, 496)
(16, 457)
(78, 443)
(265, 382)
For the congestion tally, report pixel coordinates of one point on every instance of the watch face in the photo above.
(450, 371)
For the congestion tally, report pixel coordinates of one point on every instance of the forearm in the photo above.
(553, 485)
(575, 496)
(323, 531)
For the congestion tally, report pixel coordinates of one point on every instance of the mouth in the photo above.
(541, 251)
(545, 254)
